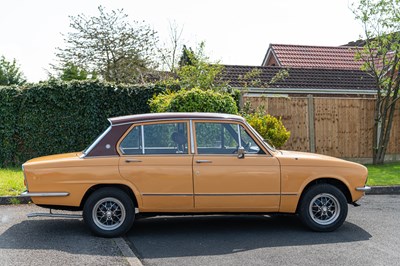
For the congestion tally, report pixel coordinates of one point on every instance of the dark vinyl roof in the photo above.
(304, 78)
(171, 116)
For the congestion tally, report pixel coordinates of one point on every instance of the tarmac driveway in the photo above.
(370, 236)
(42, 241)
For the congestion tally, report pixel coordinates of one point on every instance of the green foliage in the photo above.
(380, 55)
(11, 182)
(10, 74)
(118, 49)
(195, 100)
(58, 117)
(188, 57)
(72, 72)
(269, 127)
(10, 99)
(196, 71)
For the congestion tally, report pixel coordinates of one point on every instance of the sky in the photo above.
(235, 32)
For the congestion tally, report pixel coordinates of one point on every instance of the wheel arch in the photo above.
(327, 180)
(122, 187)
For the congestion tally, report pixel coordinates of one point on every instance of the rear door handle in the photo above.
(203, 161)
(132, 161)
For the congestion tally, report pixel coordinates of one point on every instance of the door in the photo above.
(223, 181)
(155, 158)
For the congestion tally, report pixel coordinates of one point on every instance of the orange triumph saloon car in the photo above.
(188, 163)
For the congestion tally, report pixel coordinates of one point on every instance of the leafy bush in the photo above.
(58, 117)
(269, 127)
(195, 100)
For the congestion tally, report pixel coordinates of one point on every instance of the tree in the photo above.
(196, 70)
(188, 57)
(10, 74)
(381, 57)
(116, 48)
(72, 72)
(169, 53)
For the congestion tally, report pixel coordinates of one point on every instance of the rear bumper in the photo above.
(363, 189)
(44, 194)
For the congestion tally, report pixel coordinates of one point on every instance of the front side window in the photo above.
(165, 138)
(223, 138)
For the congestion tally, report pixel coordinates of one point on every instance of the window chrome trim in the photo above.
(94, 144)
(142, 133)
(239, 137)
(179, 119)
(191, 137)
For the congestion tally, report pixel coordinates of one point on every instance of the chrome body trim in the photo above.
(54, 215)
(236, 194)
(142, 133)
(364, 188)
(94, 144)
(219, 194)
(44, 194)
(179, 119)
(203, 161)
(132, 161)
(167, 194)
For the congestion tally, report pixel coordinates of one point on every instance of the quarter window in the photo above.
(165, 138)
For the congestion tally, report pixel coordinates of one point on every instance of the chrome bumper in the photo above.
(364, 189)
(44, 194)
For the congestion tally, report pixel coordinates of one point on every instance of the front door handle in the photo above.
(132, 161)
(203, 161)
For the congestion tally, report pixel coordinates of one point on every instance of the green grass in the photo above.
(381, 175)
(12, 179)
(11, 182)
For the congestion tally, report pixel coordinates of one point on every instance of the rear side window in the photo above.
(165, 138)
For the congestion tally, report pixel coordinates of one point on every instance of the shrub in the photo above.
(57, 117)
(269, 127)
(194, 100)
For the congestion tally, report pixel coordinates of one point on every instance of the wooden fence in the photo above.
(340, 127)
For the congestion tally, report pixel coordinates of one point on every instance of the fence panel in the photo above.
(342, 127)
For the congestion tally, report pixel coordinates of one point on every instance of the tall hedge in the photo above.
(58, 117)
(194, 100)
(9, 106)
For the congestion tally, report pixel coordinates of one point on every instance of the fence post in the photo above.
(311, 124)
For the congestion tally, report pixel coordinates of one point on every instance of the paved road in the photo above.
(42, 241)
(370, 236)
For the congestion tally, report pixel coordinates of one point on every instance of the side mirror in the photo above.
(241, 152)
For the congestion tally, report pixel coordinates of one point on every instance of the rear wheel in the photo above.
(109, 212)
(323, 208)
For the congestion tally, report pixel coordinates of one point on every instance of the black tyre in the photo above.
(323, 208)
(109, 212)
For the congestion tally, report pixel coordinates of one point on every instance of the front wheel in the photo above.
(109, 212)
(323, 208)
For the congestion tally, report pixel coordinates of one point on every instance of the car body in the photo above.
(191, 163)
